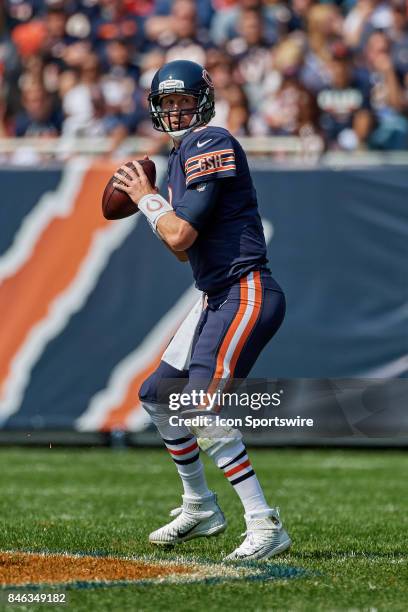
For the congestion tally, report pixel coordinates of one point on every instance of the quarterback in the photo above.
(211, 216)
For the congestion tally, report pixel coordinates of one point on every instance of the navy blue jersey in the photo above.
(230, 240)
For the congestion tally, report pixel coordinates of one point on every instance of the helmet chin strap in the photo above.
(179, 134)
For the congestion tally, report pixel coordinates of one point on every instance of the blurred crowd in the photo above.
(83, 67)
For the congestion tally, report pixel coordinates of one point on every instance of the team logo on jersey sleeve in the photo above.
(209, 163)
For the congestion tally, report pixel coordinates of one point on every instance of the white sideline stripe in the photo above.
(125, 371)
(58, 203)
(104, 242)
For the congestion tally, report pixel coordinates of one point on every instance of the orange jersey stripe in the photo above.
(251, 323)
(232, 329)
(234, 326)
(210, 153)
(224, 160)
(243, 298)
(205, 172)
(219, 367)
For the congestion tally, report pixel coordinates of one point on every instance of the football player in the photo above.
(211, 214)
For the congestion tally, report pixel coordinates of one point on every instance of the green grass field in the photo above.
(345, 510)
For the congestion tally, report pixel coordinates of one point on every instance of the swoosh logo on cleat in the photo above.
(201, 144)
(182, 534)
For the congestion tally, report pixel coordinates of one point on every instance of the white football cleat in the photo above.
(265, 537)
(195, 519)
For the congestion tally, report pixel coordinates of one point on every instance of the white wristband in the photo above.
(154, 206)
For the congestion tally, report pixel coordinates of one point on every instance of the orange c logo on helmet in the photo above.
(207, 79)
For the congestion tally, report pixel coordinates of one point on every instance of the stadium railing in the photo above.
(307, 150)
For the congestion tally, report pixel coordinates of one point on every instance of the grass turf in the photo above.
(345, 510)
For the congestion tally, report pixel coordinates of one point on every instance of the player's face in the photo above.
(176, 107)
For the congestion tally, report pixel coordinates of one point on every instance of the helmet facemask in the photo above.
(170, 121)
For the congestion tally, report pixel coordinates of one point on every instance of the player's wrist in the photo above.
(154, 206)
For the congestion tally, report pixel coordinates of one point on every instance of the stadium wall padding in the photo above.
(87, 305)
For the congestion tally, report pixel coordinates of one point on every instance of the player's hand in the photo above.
(134, 182)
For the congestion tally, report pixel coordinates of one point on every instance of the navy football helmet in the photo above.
(181, 77)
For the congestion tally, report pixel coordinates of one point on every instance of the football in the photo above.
(117, 204)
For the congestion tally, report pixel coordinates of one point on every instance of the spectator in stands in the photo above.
(149, 64)
(116, 22)
(28, 38)
(139, 121)
(84, 105)
(38, 116)
(298, 14)
(224, 25)
(286, 59)
(290, 111)
(18, 12)
(76, 54)
(205, 10)
(178, 34)
(141, 8)
(10, 70)
(345, 111)
(271, 62)
(324, 24)
(398, 34)
(379, 78)
(56, 37)
(238, 112)
(55, 44)
(4, 130)
(219, 65)
(9, 58)
(119, 78)
(231, 106)
(250, 53)
(363, 19)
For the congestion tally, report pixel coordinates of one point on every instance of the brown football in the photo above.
(117, 204)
